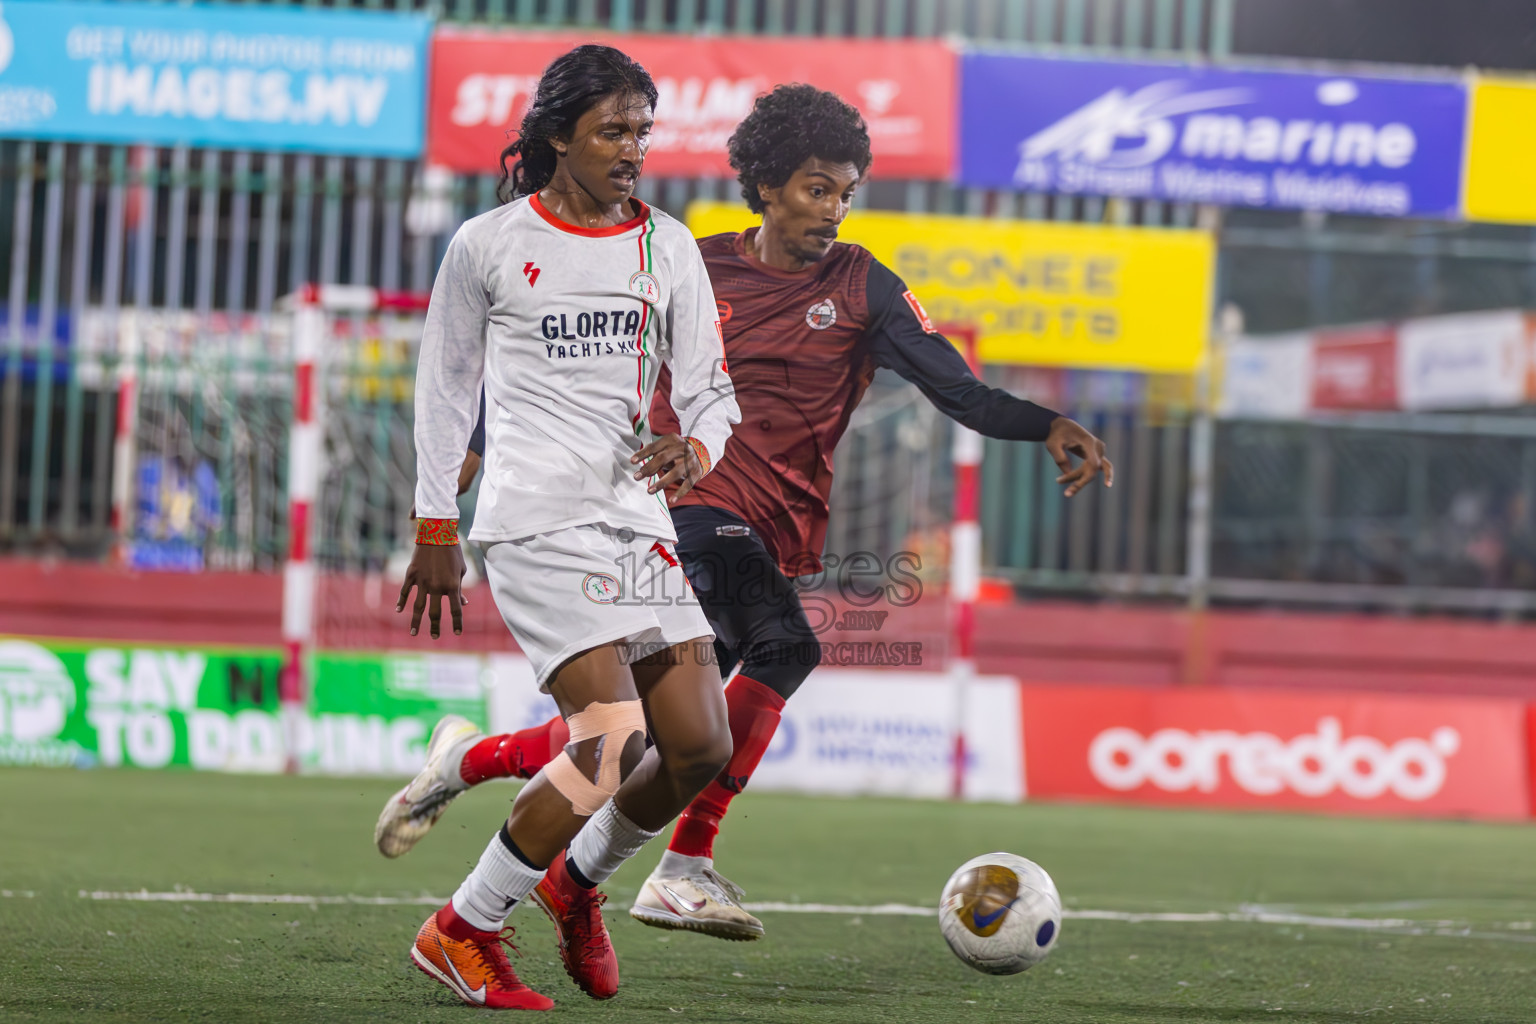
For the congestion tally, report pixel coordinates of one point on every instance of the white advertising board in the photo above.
(847, 732)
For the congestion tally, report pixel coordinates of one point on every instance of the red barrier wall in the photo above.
(69, 599)
(1162, 646)
(1530, 753)
(1045, 641)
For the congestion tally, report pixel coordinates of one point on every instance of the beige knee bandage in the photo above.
(615, 723)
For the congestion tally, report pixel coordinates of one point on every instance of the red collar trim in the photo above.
(642, 212)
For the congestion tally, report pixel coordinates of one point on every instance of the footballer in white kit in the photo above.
(564, 304)
(569, 327)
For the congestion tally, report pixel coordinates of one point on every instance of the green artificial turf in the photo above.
(1468, 890)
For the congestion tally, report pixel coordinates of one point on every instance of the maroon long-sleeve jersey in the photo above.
(801, 348)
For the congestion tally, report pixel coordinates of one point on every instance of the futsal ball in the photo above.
(1000, 913)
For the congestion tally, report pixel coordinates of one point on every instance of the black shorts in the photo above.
(751, 605)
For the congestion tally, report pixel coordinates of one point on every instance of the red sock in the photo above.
(455, 927)
(515, 754)
(754, 713)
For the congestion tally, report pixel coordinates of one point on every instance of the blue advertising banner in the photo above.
(253, 78)
(1335, 142)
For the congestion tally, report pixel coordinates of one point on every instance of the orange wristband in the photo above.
(700, 451)
(437, 531)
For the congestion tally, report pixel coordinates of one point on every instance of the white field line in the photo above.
(1248, 915)
(1401, 926)
(877, 909)
(304, 899)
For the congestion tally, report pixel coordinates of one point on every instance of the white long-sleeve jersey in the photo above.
(568, 328)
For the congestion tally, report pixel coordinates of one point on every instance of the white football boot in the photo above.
(412, 812)
(704, 901)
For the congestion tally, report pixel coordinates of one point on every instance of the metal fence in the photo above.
(168, 445)
(1130, 24)
(1406, 512)
(217, 236)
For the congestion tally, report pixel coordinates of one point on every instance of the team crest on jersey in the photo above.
(600, 588)
(645, 286)
(822, 315)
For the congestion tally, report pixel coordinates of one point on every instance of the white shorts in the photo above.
(571, 590)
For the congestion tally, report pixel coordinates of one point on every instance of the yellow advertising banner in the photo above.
(1501, 152)
(1041, 293)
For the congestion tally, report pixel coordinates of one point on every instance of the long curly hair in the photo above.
(573, 84)
(786, 128)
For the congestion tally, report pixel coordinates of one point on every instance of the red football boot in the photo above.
(578, 916)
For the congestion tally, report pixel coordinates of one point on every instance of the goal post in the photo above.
(908, 485)
(314, 310)
(964, 563)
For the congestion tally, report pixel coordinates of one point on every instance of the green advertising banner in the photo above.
(69, 702)
(371, 714)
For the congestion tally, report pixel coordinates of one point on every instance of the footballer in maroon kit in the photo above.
(806, 321)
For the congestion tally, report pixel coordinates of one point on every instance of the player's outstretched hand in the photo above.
(671, 460)
(436, 572)
(1068, 438)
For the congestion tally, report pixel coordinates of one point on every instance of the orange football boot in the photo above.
(473, 963)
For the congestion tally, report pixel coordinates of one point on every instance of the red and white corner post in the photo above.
(306, 451)
(964, 571)
(125, 441)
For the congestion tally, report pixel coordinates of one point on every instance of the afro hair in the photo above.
(789, 126)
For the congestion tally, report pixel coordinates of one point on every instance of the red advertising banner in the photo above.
(1355, 368)
(1341, 752)
(480, 84)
